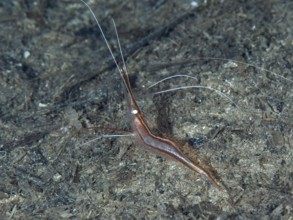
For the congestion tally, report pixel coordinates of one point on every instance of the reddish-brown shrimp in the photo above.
(140, 129)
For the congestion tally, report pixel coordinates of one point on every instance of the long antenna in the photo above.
(122, 57)
(107, 43)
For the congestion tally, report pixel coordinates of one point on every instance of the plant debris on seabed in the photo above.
(58, 80)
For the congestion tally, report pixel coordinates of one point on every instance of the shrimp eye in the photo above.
(134, 111)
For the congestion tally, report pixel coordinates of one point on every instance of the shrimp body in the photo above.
(154, 143)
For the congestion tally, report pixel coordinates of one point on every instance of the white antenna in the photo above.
(116, 32)
(107, 43)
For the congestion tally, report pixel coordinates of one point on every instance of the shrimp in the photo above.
(140, 129)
